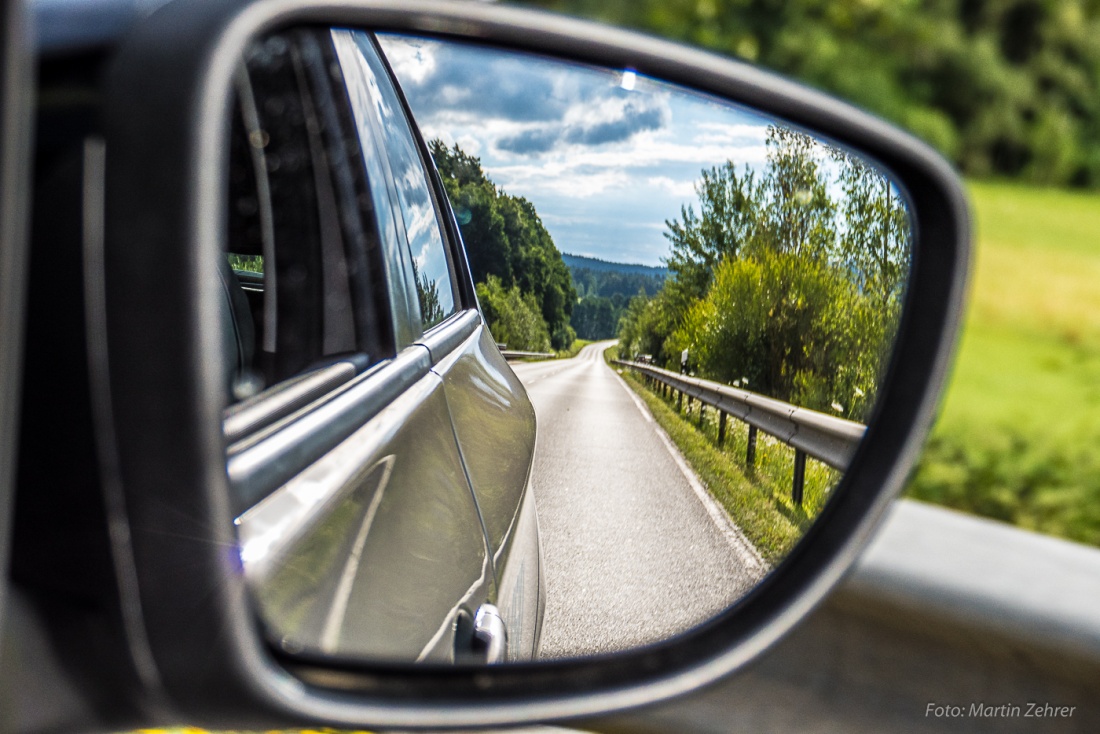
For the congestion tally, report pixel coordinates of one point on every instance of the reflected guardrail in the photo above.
(511, 354)
(826, 438)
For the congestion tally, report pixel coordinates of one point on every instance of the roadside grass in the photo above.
(574, 348)
(758, 500)
(1018, 429)
(247, 263)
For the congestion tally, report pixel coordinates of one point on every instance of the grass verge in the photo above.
(576, 346)
(758, 500)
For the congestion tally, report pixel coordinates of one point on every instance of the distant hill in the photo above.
(604, 290)
(593, 263)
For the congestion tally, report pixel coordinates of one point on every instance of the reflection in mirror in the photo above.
(697, 303)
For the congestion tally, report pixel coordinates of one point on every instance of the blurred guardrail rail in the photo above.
(823, 437)
(512, 354)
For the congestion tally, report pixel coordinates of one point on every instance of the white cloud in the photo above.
(725, 133)
(605, 168)
(678, 188)
(412, 59)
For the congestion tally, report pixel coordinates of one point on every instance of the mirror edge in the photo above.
(17, 80)
(196, 45)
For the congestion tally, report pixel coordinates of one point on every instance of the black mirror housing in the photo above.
(193, 640)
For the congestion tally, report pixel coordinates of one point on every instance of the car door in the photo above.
(492, 418)
(359, 531)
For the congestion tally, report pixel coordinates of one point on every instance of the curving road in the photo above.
(634, 549)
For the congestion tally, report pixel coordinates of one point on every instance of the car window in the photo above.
(419, 215)
(302, 284)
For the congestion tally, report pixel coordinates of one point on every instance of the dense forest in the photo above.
(604, 289)
(787, 280)
(595, 277)
(1004, 88)
(524, 287)
(585, 262)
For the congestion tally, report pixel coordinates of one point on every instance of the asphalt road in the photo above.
(634, 549)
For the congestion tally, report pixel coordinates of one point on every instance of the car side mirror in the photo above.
(206, 452)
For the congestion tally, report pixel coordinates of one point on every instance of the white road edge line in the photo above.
(733, 534)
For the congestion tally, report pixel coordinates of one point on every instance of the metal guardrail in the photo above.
(823, 437)
(510, 354)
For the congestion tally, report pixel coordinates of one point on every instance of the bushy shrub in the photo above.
(787, 282)
(789, 327)
(513, 316)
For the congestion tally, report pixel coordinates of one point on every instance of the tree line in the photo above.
(1004, 88)
(606, 283)
(787, 281)
(524, 287)
(603, 296)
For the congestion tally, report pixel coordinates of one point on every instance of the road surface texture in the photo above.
(634, 549)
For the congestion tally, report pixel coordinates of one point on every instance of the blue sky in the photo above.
(605, 156)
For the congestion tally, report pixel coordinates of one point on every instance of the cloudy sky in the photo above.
(605, 156)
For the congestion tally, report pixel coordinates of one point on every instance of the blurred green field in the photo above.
(1019, 428)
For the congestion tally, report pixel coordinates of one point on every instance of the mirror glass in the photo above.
(529, 359)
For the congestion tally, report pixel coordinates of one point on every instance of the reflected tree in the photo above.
(506, 239)
(788, 281)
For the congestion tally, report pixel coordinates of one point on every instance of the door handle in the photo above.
(490, 635)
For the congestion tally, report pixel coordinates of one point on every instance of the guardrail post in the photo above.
(799, 476)
(829, 441)
(750, 452)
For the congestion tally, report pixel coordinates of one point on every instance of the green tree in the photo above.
(799, 214)
(876, 242)
(790, 327)
(730, 203)
(596, 317)
(795, 295)
(513, 316)
(473, 197)
(646, 325)
(427, 293)
(505, 239)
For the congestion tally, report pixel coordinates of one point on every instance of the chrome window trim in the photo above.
(293, 444)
